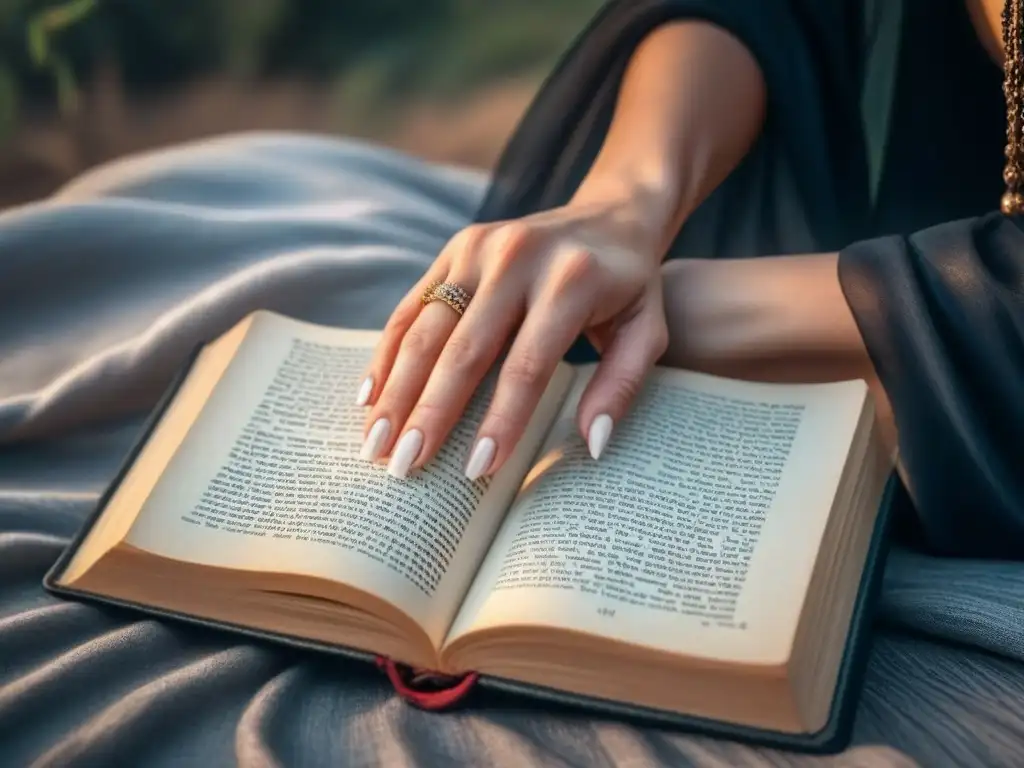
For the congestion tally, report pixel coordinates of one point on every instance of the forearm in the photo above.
(787, 310)
(690, 106)
(781, 318)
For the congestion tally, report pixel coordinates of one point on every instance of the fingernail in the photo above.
(481, 457)
(364, 391)
(373, 446)
(405, 454)
(597, 437)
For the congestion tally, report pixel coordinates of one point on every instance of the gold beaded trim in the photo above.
(452, 294)
(1012, 203)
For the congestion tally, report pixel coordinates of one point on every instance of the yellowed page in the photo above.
(269, 479)
(695, 533)
(120, 512)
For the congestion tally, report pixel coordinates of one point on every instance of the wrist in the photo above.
(646, 205)
(673, 140)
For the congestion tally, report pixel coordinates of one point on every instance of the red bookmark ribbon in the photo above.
(427, 690)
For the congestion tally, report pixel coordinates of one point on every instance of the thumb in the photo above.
(628, 356)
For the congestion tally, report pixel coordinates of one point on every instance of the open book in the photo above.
(708, 565)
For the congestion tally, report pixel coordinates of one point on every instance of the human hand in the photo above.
(536, 284)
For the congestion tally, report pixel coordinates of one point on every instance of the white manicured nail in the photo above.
(481, 457)
(373, 446)
(597, 437)
(364, 391)
(405, 454)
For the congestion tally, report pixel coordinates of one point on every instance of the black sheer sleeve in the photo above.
(942, 315)
(810, 53)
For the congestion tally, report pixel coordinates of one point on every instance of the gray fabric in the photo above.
(105, 287)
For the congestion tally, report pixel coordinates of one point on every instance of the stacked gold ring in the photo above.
(452, 294)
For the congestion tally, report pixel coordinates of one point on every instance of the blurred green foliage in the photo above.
(49, 47)
(41, 30)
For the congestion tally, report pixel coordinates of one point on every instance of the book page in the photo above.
(269, 479)
(695, 533)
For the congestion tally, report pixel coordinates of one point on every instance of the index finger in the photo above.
(401, 319)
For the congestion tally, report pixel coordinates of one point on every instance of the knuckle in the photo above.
(474, 233)
(467, 237)
(575, 267)
(580, 264)
(626, 388)
(428, 413)
(510, 241)
(500, 423)
(466, 259)
(417, 342)
(525, 370)
(465, 243)
(465, 353)
(402, 317)
(513, 235)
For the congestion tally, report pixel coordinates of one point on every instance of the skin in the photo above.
(738, 318)
(591, 266)
(594, 266)
(986, 16)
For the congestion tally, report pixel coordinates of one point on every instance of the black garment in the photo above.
(944, 154)
(941, 312)
(942, 160)
(810, 54)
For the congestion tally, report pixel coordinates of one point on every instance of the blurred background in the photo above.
(84, 81)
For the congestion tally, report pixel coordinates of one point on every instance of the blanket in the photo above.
(106, 286)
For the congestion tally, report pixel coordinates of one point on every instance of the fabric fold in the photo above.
(942, 316)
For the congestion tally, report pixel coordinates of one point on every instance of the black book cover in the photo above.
(490, 692)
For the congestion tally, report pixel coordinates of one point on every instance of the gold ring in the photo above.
(452, 294)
